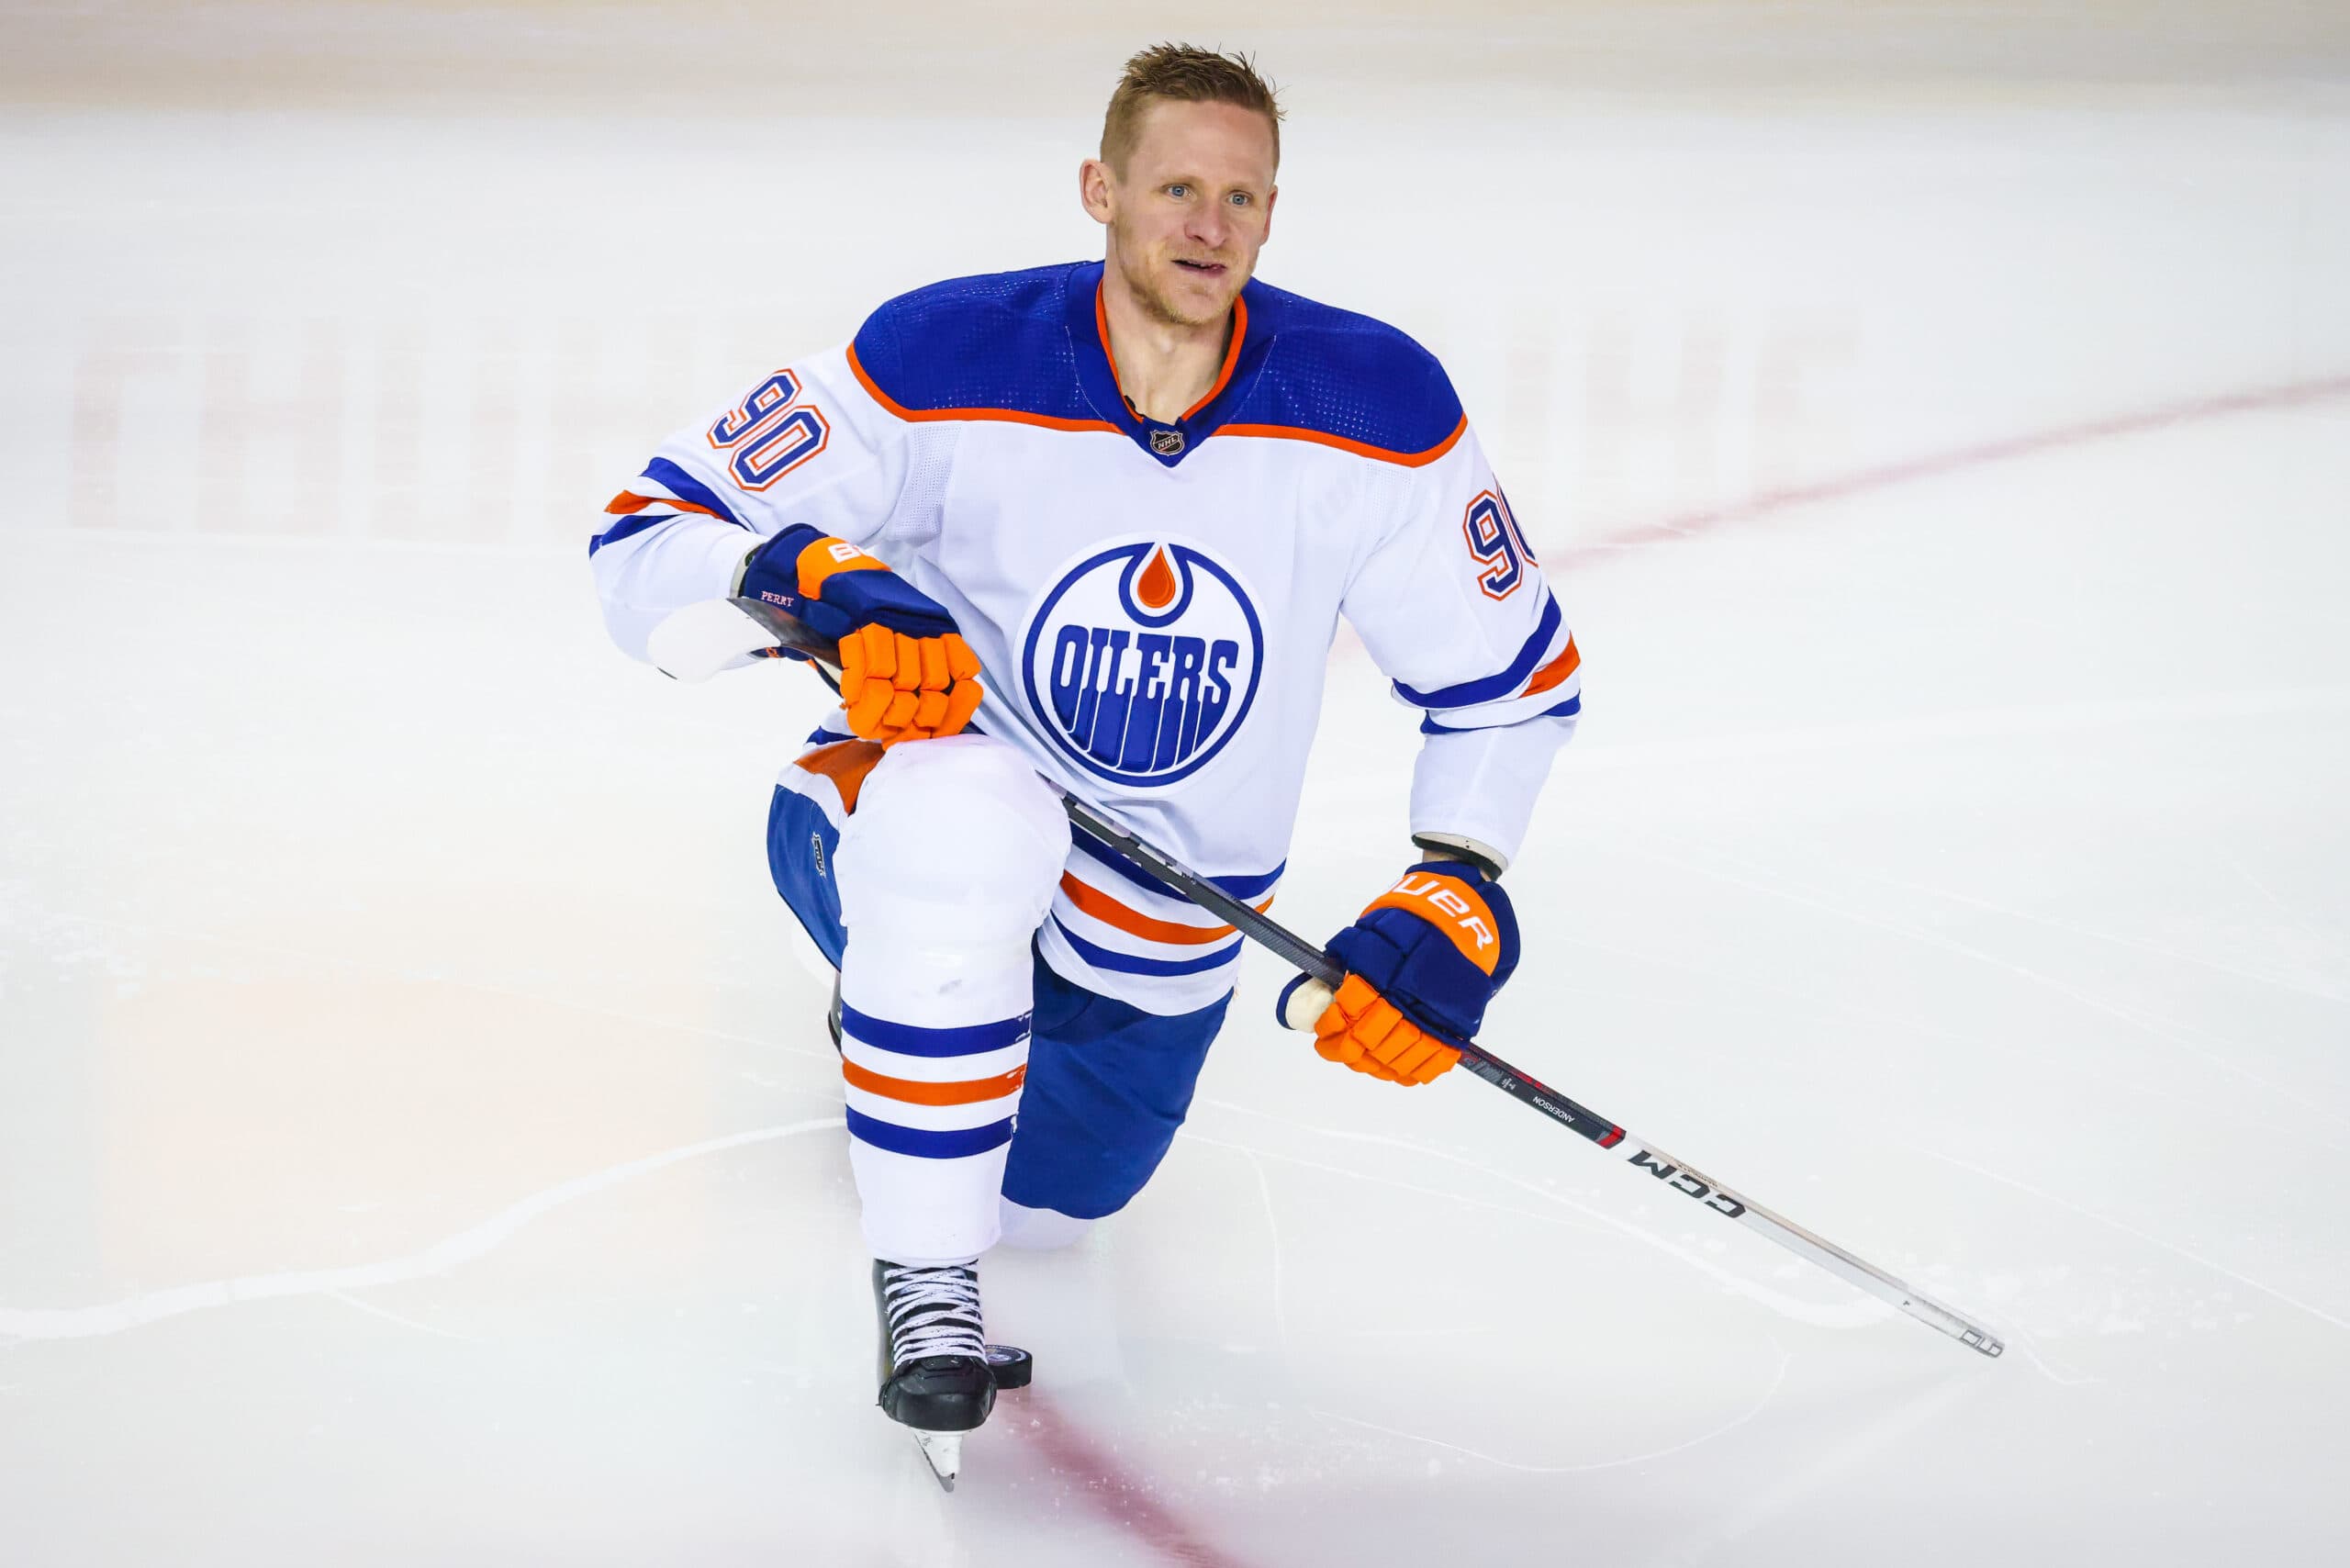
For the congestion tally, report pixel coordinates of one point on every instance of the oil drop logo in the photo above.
(1142, 661)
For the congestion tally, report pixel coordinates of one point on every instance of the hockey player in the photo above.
(1096, 524)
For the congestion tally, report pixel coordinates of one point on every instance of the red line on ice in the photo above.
(1936, 464)
(1114, 1491)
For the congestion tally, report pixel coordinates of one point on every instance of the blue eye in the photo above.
(1179, 190)
(1240, 198)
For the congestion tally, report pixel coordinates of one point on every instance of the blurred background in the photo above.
(417, 1141)
(434, 272)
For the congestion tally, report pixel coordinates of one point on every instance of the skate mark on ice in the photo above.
(1117, 1493)
(2062, 719)
(824, 1055)
(2163, 1030)
(2130, 1230)
(2300, 920)
(2174, 955)
(388, 1316)
(1861, 1312)
(1463, 1199)
(113, 1318)
(1778, 1381)
(1797, 1006)
(1934, 466)
(1776, 1495)
(2105, 1078)
(1273, 1232)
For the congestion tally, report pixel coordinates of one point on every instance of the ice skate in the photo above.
(935, 1368)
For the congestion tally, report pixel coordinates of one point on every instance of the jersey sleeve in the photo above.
(1456, 612)
(807, 444)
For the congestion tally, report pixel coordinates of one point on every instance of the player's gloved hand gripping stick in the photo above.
(905, 673)
(1421, 963)
(702, 639)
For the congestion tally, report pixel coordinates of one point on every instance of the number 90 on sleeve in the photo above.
(1499, 548)
(770, 432)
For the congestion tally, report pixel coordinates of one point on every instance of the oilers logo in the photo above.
(1142, 661)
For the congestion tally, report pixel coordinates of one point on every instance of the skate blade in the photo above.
(943, 1452)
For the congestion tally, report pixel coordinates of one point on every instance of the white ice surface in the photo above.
(418, 1138)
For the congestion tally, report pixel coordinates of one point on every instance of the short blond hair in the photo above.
(1186, 74)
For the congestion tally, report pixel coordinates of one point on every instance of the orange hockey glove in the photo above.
(1370, 1033)
(906, 674)
(898, 688)
(1422, 961)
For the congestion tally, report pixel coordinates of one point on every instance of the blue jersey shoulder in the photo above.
(1341, 375)
(997, 341)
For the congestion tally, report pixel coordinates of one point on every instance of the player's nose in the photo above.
(1208, 226)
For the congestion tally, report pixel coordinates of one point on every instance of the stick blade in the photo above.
(695, 643)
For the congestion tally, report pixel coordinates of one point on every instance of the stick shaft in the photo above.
(1523, 1087)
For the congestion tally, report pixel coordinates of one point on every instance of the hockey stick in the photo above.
(701, 640)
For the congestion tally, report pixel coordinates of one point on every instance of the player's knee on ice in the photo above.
(955, 843)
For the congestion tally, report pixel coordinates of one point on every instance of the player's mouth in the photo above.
(1205, 269)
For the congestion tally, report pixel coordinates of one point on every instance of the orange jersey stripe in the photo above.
(1406, 459)
(1048, 422)
(969, 1093)
(1011, 416)
(1102, 328)
(1134, 922)
(628, 503)
(1557, 670)
(1224, 374)
(1231, 355)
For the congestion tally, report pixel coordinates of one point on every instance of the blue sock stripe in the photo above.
(926, 1143)
(915, 1040)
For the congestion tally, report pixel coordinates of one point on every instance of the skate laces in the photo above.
(932, 1312)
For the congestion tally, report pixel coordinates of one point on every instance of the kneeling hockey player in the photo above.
(1097, 522)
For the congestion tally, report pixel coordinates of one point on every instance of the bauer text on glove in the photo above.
(1422, 961)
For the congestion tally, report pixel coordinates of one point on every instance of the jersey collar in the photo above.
(1097, 373)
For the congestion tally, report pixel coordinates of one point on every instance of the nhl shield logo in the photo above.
(1142, 661)
(1167, 443)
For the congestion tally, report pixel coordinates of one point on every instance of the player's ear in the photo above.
(1093, 189)
(1270, 197)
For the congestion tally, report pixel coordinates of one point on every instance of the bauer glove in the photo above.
(1422, 960)
(906, 674)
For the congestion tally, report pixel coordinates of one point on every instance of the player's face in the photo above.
(1191, 209)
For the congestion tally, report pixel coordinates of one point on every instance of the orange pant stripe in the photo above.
(846, 763)
(1134, 922)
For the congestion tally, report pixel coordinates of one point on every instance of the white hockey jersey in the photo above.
(1153, 603)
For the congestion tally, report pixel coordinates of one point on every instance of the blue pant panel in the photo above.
(802, 845)
(1108, 1084)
